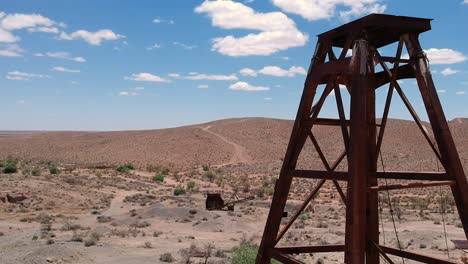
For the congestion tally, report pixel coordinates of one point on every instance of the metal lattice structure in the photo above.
(363, 136)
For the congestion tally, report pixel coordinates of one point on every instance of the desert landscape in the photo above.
(139, 196)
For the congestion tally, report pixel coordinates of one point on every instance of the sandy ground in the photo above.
(91, 213)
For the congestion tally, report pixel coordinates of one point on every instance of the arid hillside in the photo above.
(231, 141)
(139, 196)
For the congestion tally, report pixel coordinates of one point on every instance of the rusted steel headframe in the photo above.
(362, 142)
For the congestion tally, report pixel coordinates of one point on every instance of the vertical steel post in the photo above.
(358, 167)
(372, 213)
(440, 126)
(298, 137)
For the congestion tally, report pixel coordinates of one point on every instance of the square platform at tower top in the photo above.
(378, 29)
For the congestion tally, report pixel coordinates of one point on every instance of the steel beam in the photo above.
(414, 256)
(358, 159)
(440, 128)
(414, 175)
(297, 139)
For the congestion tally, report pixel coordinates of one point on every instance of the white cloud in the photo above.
(60, 55)
(51, 30)
(62, 69)
(248, 72)
(279, 72)
(125, 93)
(278, 32)
(465, 2)
(159, 21)
(7, 36)
(23, 76)
(267, 98)
(320, 9)
(20, 102)
(31, 22)
(243, 86)
(184, 46)
(93, 38)
(174, 75)
(441, 91)
(138, 88)
(203, 86)
(460, 93)
(11, 50)
(154, 46)
(449, 71)
(274, 71)
(211, 77)
(444, 56)
(145, 77)
(19, 21)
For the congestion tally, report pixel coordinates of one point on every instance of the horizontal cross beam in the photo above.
(413, 175)
(411, 185)
(310, 249)
(396, 175)
(327, 122)
(315, 174)
(414, 256)
(284, 258)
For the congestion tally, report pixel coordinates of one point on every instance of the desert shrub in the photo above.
(67, 226)
(246, 187)
(165, 171)
(26, 171)
(166, 257)
(92, 239)
(148, 245)
(157, 233)
(220, 181)
(139, 224)
(177, 176)
(179, 191)
(304, 216)
(54, 170)
(246, 253)
(422, 246)
(159, 177)
(268, 191)
(190, 186)
(205, 167)
(36, 171)
(103, 219)
(76, 237)
(10, 167)
(210, 175)
(90, 242)
(125, 167)
(152, 168)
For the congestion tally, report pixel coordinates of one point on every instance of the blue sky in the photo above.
(122, 65)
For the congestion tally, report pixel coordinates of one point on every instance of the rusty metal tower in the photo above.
(362, 136)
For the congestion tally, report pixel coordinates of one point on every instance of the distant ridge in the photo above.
(257, 142)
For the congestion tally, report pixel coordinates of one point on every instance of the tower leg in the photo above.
(372, 255)
(445, 143)
(296, 142)
(358, 168)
